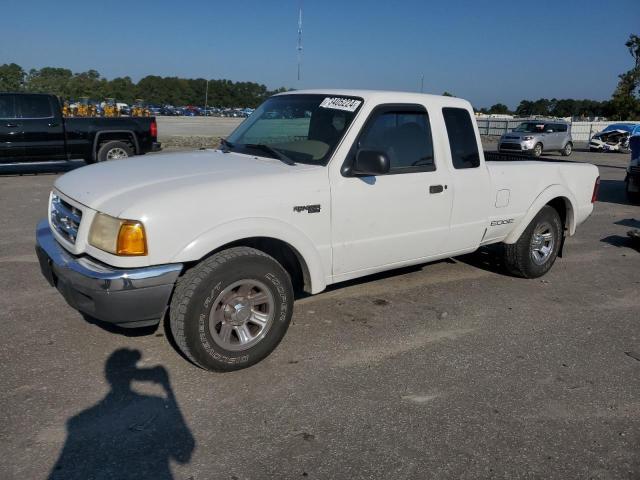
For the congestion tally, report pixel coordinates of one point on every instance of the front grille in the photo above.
(510, 146)
(512, 138)
(65, 218)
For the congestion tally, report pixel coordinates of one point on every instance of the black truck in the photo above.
(32, 128)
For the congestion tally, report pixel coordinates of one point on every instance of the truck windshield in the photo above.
(530, 127)
(301, 128)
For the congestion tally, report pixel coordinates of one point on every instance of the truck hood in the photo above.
(111, 187)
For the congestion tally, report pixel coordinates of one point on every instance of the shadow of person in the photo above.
(126, 435)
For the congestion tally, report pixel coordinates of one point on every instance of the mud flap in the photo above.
(564, 237)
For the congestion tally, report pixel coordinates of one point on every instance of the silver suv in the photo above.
(535, 136)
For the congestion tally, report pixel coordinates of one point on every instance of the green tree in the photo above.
(11, 77)
(499, 108)
(625, 101)
(49, 80)
(121, 88)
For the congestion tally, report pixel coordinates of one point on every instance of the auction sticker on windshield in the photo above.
(337, 103)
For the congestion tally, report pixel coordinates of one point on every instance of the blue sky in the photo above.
(480, 50)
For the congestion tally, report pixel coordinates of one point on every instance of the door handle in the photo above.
(53, 124)
(436, 189)
(11, 125)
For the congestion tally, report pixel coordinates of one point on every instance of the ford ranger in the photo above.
(314, 188)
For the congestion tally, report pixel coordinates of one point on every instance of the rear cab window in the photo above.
(34, 106)
(462, 138)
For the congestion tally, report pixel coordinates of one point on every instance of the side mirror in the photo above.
(370, 163)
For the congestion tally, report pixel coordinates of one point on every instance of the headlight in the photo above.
(120, 237)
(527, 138)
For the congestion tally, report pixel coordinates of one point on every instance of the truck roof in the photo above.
(386, 96)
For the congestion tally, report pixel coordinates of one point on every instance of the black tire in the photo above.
(519, 258)
(633, 197)
(537, 150)
(198, 292)
(110, 148)
(566, 151)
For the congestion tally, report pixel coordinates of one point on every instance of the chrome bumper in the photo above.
(127, 297)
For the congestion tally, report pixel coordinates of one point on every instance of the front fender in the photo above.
(548, 194)
(236, 230)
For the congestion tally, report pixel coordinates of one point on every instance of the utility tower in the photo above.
(299, 47)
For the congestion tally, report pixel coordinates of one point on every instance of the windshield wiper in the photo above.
(276, 153)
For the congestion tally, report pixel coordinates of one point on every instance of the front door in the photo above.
(11, 147)
(380, 221)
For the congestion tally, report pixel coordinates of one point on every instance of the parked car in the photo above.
(614, 138)
(538, 136)
(632, 178)
(32, 128)
(370, 181)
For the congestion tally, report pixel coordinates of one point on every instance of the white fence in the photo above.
(580, 131)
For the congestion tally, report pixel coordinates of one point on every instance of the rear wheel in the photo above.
(114, 150)
(232, 310)
(537, 248)
(537, 150)
(566, 151)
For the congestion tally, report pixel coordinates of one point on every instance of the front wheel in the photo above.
(537, 150)
(232, 310)
(566, 151)
(537, 248)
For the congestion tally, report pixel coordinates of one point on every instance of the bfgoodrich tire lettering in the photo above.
(537, 248)
(198, 293)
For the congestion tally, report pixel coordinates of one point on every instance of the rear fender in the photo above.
(548, 194)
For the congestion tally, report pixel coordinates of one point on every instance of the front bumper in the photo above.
(134, 297)
(514, 146)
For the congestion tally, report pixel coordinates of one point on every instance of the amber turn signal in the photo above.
(131, 239)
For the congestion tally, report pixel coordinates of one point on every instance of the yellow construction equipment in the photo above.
(111, 108)
(83, 107)
(139, 110)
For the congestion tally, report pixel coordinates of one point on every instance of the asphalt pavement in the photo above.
(448, 370)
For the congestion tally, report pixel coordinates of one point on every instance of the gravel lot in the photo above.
(449, 370)
(194, 132)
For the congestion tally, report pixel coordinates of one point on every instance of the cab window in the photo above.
(7, 106)
(35, 106)
(404, 134)
(462, 138)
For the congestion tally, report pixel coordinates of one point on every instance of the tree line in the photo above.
(623, 105)
(152, 89)
(565, 107)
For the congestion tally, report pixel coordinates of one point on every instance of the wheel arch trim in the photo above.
(545, 197)
(249, 228)
(130, 133)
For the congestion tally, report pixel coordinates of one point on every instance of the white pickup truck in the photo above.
(314, 188)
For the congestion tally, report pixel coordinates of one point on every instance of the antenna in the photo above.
(299, 47)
